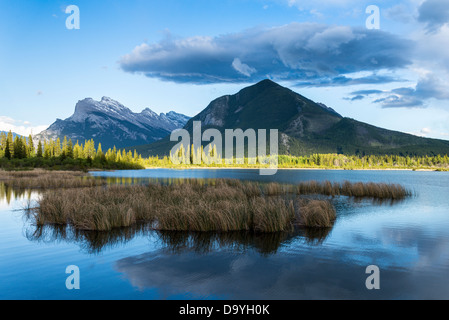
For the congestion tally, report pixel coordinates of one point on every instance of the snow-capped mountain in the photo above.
(112, 124)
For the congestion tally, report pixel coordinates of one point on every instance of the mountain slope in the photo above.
(305, 127)
(112, 124)
(13, 134)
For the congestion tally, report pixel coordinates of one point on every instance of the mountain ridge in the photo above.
(305, 127)
(112, 124)
(14, 135)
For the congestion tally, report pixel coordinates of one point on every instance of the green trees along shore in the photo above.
(24, 153)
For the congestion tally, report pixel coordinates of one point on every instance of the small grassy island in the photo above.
(86, 203)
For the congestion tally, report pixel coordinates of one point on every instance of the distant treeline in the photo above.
(324, 161)
(21, 152)
(330, 161)
(366, 162)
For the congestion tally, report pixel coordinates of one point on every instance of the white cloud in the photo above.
(429, 86)
(243, 68)
(401, 12)
(434, 13)
(19, 126)
(330, 39)
(6, 120)
(316, 13)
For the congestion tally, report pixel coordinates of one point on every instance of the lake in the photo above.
(407, 240)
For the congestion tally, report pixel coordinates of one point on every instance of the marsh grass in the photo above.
(188, 207)
(44, 179)
(316, 213)
(223, 206)
(358, 189)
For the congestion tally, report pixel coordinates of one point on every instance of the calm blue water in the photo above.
(408, 241)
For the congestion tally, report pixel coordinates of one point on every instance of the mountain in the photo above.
(112, 124)
(305, 127)
(14, 135)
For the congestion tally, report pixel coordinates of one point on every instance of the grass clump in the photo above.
(94, 208)
(44, 179)
(316, 213)
(358, 189)
(188, 207)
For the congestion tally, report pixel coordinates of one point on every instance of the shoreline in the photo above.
(336, 169)
(233, 168)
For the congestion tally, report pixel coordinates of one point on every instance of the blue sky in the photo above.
(179, 55)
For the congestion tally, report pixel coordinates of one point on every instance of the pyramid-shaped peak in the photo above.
(267, 83)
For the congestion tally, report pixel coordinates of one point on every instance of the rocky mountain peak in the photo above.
(111, 123)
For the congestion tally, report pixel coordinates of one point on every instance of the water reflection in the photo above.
(94, 242)
(8, 194)
(314, 236)
(263, 243)
(91, 242)
(329, 273)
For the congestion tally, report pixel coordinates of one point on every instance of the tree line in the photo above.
(329, 161)
(20, 151)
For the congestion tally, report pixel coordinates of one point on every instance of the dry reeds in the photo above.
(94, 208)
(43, 179)
(316, 213)
(188, 207)
(358, 189)
(225, 205)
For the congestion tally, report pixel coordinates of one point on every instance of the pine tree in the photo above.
(8, 154)
(24, 144)
(99, 151)
(18, 148)
(69, 151)
(39, 149)
(10, 141)
(135, 157)
(47, 150)
(77, 151)
(64, 147)
(57, 148)
(31, 150)
(2, 144)
(89, 149)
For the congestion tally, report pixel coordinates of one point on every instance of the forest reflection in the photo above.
(93, 242)
(9, 194)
